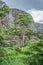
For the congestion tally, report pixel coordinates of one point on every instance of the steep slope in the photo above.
(13, 15)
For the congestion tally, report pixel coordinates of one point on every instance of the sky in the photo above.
(34, 7)
(37, 15)
(25, 4)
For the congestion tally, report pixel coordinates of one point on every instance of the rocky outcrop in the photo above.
(37, 27)
(8, 21)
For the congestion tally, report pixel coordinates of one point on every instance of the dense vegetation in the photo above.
(28, 55)
(31, 51)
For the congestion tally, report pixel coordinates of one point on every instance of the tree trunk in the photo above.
(0, 21)
(24, 39)
(29, 37)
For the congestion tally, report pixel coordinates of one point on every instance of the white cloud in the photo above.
(37, 15)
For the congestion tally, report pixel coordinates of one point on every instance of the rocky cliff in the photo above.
(38, 27)
(13, 15)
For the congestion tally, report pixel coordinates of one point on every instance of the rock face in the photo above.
(13, 15)
(37, 27)
(8, 21)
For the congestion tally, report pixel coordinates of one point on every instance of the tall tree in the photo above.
(4, 10)
(24, 21)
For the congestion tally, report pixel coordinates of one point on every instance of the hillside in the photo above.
(13, 15)
(8, 21)
(21, 39)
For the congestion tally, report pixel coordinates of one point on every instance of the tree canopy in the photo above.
(4, 9)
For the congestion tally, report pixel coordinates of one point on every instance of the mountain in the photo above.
(13, 15)
(37, 27)
(8, 21)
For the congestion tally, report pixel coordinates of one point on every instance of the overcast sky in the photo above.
(25, 4)
(34, 7)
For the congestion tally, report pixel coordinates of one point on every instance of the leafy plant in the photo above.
(4, 10)
(24, 21)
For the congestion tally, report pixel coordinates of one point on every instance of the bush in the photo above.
(35, 54)
(28, 55)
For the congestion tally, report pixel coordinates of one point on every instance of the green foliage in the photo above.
(24, 20)
(29, 55)
(35, 53)
(4, 40)
(2, 34)
(40, 36)
(4, 9)
(14, 31)
(29, 33)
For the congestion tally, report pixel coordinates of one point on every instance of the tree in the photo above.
(24, 21)
(34, 52)
(30, 33)
(2, 35)
(4, 10)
